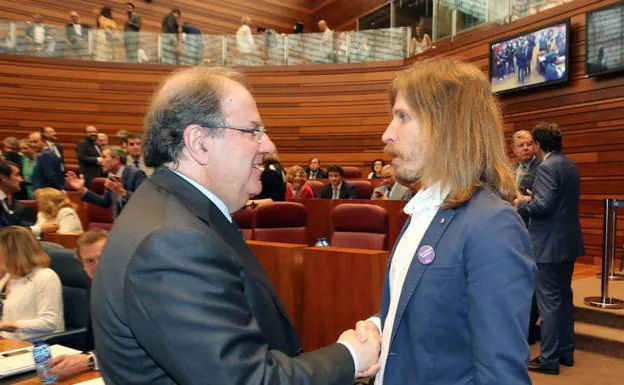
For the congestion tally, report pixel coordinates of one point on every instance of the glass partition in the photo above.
(438, 19)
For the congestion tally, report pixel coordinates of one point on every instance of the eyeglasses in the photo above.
(259, 131)
(89, 260)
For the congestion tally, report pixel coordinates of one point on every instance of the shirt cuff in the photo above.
(377, 321)
(356, 362)
(36, 230)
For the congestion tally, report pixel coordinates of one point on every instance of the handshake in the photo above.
(365, 343)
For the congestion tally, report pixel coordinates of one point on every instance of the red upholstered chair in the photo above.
(360, 226)
(281, 222)
(99, 218)
(352, 172)
(363, 188)
(32, 204)
(316, 185)
(244, 218)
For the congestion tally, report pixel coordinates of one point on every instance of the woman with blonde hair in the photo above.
(32, 300)
(105, 35)
(297, 187)
(54, 206)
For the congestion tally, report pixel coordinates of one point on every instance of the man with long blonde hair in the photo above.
(456, 299)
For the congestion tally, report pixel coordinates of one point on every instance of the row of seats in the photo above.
(352, 225)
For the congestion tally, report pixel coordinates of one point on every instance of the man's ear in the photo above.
(195, 143)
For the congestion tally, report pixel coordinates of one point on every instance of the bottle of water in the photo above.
(42, 356)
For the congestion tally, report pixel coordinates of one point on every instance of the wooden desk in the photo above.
(340, 287)
(283, 264)
(31, 378)
(66, 240)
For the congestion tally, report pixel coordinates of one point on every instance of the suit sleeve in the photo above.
(351, 192)
(50, 174)
(104, 200)
(138, 178)
(498, 265)
(543, 201)
(81, 152)
(186, 303)
(325, 192)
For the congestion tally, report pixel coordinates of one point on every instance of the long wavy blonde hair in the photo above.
(462, 121)
(20, 251)
(50, 201)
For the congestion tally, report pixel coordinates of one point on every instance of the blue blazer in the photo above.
(48, 171)
(463, 318)
(554, 223)
(131, 178)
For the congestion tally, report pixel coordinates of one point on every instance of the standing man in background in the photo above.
(170, 38)
(134, 148)
(132, 26)
(555, 232)
(89, 155)
(523, 148)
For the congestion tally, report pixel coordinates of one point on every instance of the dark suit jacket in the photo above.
(554, 211)
(180, 298)
(48, 171)
(19, 215)
(455, 323)
(527, 182)
(73, 37)
(131, 178)
(347, 191)
(87, 160)
(321, 174)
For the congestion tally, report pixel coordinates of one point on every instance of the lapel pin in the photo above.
(426, 254)
(442, 220)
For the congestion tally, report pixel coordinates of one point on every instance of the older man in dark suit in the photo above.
(122, 181)
(557, 241)
(178, 296)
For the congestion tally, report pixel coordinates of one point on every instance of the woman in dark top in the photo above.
(376, 167)
(273, 180)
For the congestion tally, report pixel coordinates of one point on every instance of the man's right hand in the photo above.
(51, 227)
(367, 345)
(75, 182)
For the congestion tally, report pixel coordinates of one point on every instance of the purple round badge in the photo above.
(426, 254)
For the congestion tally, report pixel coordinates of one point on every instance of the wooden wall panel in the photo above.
(337, 112)
(342, 14)
(211, 16)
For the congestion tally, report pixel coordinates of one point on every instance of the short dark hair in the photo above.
(548, 135)
(335, 168)
(177, 10)
(133, 135)
(311, 159)
(130, 4)
(6, 167)
(375, 161)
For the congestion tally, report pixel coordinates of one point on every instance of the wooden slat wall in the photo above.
(211, 16)
(338, 112)
(342, 14)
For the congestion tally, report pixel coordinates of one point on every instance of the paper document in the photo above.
(18, 361)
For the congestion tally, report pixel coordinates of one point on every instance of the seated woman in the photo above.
(54, 206)
(273, 181)
(297, 187)
(32, 300)
(376, 167)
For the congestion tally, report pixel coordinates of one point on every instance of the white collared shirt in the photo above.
(422, 208)
(213, 198)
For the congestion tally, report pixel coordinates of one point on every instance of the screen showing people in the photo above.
(605, 40)
(529, 60)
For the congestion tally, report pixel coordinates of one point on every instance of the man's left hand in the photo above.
(116, 188)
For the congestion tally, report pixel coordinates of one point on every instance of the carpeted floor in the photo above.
(588, 369)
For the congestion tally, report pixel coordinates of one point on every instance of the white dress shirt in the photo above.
(422, 208)
(35, 303)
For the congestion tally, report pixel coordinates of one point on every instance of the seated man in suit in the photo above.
(121, 183)
(48, 171)
(314, 169)
(389, 188)
(337, 188)
(89, 247)
(12, 212)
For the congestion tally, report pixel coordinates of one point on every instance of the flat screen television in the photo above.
(604, 42)
(532, 59)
